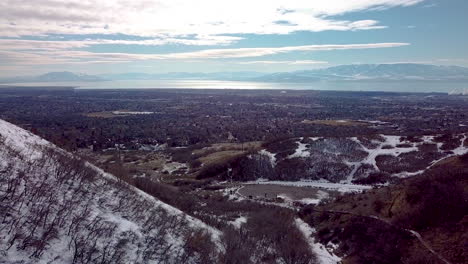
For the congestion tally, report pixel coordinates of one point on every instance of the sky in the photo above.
(157, 36)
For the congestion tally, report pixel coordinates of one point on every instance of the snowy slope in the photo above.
(323, 254)
(56, 208)
(347, 160)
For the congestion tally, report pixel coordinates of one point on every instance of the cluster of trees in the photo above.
(57, 206)
(270, 234)
(373, 227)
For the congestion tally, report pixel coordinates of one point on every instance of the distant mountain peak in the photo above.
(351, 72)
(382, 72)
(67, 76)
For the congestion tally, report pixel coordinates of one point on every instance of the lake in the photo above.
(396, 86)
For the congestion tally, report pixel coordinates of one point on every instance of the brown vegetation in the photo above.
(434, 204)
(334, 122)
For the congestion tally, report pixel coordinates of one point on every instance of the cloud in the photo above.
(430, 5)
(8, 58)
(59, 53)
(24, 44)
(208, 20)
(434, 61)
(297, 62)
(258, 52)
(453, 61)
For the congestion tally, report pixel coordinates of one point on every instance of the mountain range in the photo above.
(354, 72)
(380, 72)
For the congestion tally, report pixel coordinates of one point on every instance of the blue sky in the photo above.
(92, 36)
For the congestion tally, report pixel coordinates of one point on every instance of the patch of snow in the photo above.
(171, 167)
(323, 255)
(376, 122)
(320, 196)
(285, 197)
(309, 201)
(233, 193)
(406, 174)
(272, 156)
(22, 141)
(341, 187)
(428, 139)
(395, 151)
(239, 222)
(462, 149)
(315, 138)
(332, 246)
(123, 224)
(156, 147)
(131, 113)
(355, 166)
(301, 151)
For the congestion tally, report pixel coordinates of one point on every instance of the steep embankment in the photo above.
(421, 220)
(56, 208)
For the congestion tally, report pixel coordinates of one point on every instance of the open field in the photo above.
(117, 113)
(270, 191)
(334, 122)
(218, 147)
(104, 114)
(218, 157)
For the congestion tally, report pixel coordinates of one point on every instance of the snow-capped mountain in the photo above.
(54, 77)
(383, 72)
(56, 208)
(355, 72)
(67, 77)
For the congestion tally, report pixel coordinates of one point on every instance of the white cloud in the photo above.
(182, 22)
(297, 62)
(60, 53)
(209, 20)
(23, 44)
(258, 52)
(434, 61)
(430, 5)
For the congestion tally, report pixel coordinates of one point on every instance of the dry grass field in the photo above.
(334, 122)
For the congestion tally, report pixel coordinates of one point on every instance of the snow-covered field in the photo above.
(131, 113)
(341, 187)
(58, 209)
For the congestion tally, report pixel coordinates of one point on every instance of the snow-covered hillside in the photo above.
(55, 208)
(367, 159)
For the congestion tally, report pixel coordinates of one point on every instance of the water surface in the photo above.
(418, 87)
